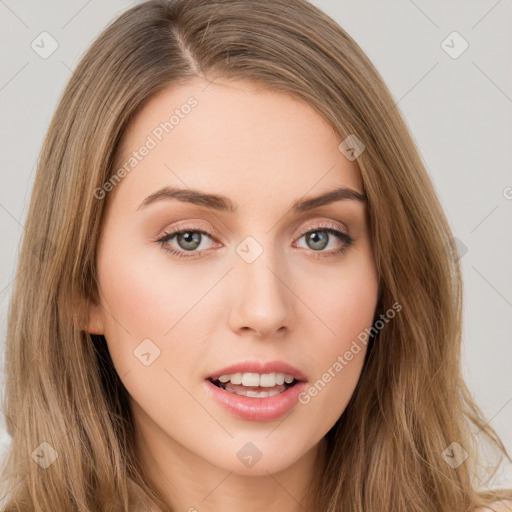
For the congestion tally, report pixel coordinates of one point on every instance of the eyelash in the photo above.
(326, 227)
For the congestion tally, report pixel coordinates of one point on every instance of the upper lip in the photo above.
(260, 367)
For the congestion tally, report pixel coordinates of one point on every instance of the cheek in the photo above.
(142, 300)
(343, 299)
(145, 293)
(346, 307)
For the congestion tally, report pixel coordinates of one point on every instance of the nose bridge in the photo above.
(261, 300)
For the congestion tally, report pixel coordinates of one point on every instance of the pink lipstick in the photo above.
(257, 391)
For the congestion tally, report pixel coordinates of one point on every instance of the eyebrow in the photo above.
(224, 203)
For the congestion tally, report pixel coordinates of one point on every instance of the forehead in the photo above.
(232, 136)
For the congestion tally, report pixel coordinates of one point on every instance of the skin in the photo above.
(264, 150)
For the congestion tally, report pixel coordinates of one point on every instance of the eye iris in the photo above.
(189, 237)
(319, 242)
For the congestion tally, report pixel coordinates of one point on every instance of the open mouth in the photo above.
(255, 385)
(254, 396)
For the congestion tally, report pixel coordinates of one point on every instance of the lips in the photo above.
(257, 391)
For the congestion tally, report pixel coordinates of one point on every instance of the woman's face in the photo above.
(252, 286)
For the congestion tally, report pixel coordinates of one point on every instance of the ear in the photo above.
(94, 323)
(88, 316)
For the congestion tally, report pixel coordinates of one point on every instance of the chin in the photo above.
(260, 454)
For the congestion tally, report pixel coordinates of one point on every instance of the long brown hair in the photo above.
(65, 406)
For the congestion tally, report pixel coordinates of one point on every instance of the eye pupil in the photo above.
(319, 239)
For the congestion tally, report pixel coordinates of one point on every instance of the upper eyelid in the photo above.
(192, 226)
(325, 224)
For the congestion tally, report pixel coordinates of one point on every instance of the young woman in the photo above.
(237, 288)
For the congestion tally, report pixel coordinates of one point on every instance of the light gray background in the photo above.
(458, 109)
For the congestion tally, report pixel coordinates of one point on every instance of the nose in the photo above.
(261, 299)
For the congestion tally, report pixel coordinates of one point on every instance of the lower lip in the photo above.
(257, 409)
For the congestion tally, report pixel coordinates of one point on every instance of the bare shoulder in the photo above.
(497, 506)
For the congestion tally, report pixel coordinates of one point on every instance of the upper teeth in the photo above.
(266, 380)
